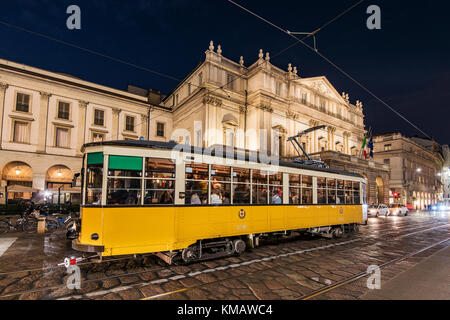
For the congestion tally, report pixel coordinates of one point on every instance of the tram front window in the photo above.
(124, 181)
(124, 191)
(94, 181)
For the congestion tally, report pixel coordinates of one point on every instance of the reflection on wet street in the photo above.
(284, 269)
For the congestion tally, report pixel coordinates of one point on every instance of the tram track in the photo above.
(362, 275)
(56, 266)
(177, 277)
(236, 265)
(317, 292)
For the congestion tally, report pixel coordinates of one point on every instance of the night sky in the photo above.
(406, 63)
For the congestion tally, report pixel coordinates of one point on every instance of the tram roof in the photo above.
(245, 155)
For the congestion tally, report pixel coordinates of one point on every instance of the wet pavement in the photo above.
(288, 269)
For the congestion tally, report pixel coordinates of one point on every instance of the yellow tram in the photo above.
(179, 201)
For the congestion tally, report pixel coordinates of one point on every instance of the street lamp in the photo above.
(419, 170)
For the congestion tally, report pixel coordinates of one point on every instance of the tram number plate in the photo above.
(242, 227)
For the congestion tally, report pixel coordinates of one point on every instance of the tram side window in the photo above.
(331, 188)
(159, 181)
(348, 192)
(295, 191)
(364, 193)
(321, 191)
(340, 192)
(220, 185)
(241, 186)
(124, 191)
(94, 180)
(124, 180)
(197, 176)
(356, 196)
(307, 197)
(276, 187)
(260, 186)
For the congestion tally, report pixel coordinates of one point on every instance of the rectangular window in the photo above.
(278, 88)
(241, 186)
(276, 187)
(304, 98)
(124, 180)
(23, 102)
(62, 138)
(321, 191)
(220, 185)
(331, 188)
(260, 186)
(200, 78)
(94, 179)
(63, 110)
(348, 192)
(356, 193)
(230, 82)
(340, 192)
(123, 191)
(295, 191)
(160, 129)
(21, 134)
(197, 176)
(98, 137)
(129, 123)
(159, 181)
(99, 117)
(387, 147)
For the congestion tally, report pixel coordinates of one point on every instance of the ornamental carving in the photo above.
(266, 107)
(212, 100)
(291, 115)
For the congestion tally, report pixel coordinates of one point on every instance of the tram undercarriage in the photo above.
(223, 247)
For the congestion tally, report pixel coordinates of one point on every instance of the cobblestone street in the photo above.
(287, 269)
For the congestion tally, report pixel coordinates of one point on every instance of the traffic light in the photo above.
(395, 194)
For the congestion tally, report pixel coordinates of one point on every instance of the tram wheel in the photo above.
(338, 232)
(190, 254)
(239, 246)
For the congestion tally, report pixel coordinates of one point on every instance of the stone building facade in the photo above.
(46, 117)
(415, 168)
(258, 107)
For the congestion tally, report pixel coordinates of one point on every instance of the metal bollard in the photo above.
(41, 225)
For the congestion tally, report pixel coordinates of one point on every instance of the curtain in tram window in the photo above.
(20, 132)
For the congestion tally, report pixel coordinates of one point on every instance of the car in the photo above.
(378, 210)
(398, 210)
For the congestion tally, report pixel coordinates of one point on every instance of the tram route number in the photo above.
(226, 310)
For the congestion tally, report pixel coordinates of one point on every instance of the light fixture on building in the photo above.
(419, 170)
(18, 171)
(59, 173)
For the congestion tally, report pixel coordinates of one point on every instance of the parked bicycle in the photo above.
(26, 223)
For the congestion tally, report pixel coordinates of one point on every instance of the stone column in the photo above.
(115, 124)
(43, 122)
(81, 138)
(144, 126)
(3, 87)
(347, 142)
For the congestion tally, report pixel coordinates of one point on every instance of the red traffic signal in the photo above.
(395, 194)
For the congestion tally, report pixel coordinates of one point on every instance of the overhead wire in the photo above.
(334, 65)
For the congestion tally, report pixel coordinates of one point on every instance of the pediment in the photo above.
(322, 86)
